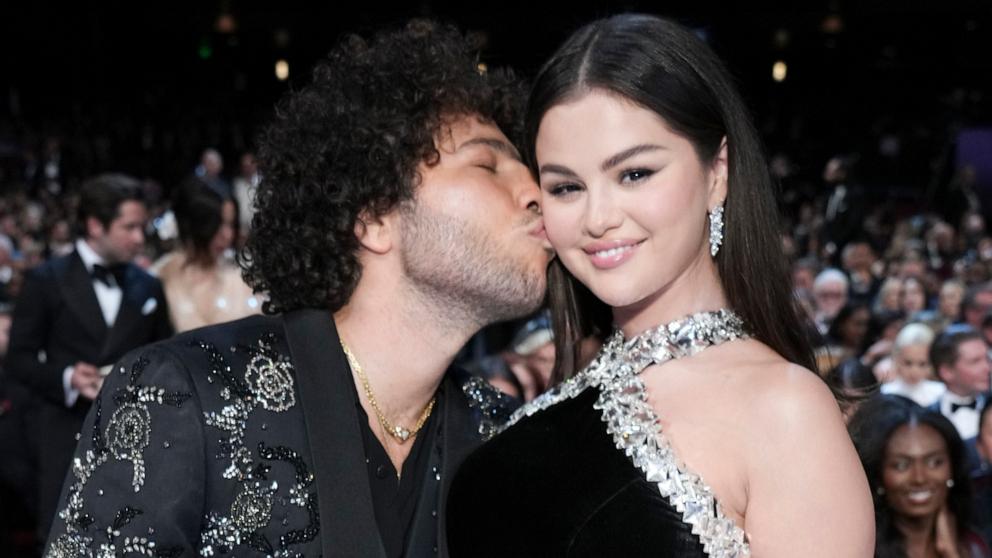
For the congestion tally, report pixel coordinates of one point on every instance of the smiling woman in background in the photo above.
(919, 477)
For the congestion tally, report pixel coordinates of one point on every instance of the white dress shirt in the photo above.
(964, 419)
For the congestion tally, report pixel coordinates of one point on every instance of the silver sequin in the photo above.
(492, 405)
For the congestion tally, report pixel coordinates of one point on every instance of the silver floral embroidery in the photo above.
(268, 384)
(127, 436)
(76, 541)
(635, 428)
(271, 382)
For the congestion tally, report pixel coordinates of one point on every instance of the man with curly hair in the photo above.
(394, 220)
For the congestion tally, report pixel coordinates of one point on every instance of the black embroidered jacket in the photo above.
(242, 440)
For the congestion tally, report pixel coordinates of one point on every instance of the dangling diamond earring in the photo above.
(950, 483)
(716, 229)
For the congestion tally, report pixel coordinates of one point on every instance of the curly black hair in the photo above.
(351, 141)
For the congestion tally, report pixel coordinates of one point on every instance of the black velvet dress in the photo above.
(584, 471)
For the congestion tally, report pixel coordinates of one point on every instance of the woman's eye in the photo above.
(563, 189)
(635, 175)
(489, 167)
(900, 465)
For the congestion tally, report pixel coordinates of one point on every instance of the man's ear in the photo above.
(375, 232)
(94, 228)
(944, 373)
(718, 176)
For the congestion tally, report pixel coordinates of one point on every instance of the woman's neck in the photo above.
(920, 535)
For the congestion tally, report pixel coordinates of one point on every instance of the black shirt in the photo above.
(394, 500)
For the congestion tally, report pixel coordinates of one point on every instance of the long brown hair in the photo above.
(666, 69)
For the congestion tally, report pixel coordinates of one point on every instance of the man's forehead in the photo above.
(458, 131)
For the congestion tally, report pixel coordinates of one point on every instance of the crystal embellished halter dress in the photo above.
(585, 470)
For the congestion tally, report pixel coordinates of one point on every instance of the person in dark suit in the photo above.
(394, 220)
(960, 357)
(77, 314)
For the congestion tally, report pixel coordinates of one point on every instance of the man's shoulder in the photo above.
(228, 335)
(53, 267)
(217, 343)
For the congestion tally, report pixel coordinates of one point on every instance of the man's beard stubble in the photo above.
(466, 273)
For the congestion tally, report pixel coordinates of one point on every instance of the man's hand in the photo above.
(86, 379)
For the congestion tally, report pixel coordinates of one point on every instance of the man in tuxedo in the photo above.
(960, 357)
(77, 314)
(394, 220)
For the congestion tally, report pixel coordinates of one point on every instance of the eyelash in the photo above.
(564, 189)
(629, 176)
(643, 174)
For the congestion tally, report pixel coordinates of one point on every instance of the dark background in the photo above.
(145, 86)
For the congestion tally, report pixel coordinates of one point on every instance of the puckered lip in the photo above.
(538, 230)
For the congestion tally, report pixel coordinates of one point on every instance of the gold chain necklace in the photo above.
(400, 433)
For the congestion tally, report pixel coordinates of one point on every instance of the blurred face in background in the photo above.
(912, 363)
(854, 328)
(914, 298)
(889, 294)
(969, 375)
(975, 313)
(830, 297)
(915, 471)
(224, 237)
(802, 278)
(949, 302)
(123, 239)
(858, 258)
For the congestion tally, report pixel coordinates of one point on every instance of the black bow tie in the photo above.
(955, 406)
(103, 274)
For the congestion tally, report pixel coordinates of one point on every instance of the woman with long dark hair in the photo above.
(201, 282)
(918, 472)
(699, 430)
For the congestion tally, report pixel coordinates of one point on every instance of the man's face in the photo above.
(473, 237)
(830, 297)
(969, 375)
(124, 238)
(975, 313)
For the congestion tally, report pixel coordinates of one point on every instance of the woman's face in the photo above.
(625, 199)
(854, 329)
(951, 296)
(891, 292)
(225, 234)
(912, 363)
(913, 297)
(915, 471)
